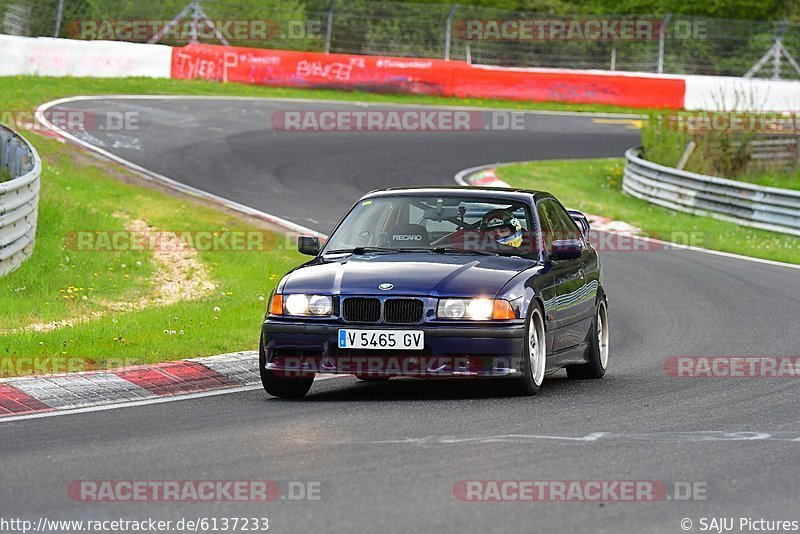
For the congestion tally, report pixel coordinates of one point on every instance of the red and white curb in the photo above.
(31, 395)
(486, 176)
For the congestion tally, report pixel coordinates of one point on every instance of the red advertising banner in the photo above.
(420, 76)
(565, 86)
(308, 69)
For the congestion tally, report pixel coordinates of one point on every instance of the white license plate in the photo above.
(381, 339)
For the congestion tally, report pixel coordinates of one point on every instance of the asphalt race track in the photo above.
(388, 455)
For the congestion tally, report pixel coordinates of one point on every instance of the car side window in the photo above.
(561, 224)
(546, 227)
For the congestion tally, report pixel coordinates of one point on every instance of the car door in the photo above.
(574, 303)
(547, 279)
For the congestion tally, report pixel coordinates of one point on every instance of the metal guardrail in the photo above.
(781, 150)
(768, 208)
(19, 199)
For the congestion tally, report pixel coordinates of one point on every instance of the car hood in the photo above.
(451, 275)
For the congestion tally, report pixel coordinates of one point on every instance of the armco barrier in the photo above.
(768, 208)
(308, 69)
(13, 55)
(583, 87)
(105, 59)
(423, 76)
(719, 93)
(19, 199)
(44, 56)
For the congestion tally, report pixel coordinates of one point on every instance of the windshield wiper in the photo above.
(360, 250)
(365, 250)
(453, 250)
(436, 250)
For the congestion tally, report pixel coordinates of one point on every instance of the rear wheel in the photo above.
(598, 348)
(534, 353)
(278, 386)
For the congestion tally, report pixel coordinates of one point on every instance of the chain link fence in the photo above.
(673, 44)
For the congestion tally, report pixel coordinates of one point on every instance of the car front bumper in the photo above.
(294, 348)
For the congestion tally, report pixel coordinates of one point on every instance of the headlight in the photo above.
(475, 309)
(452, 309)
(320, 305)
(480, 308)
(308, 304)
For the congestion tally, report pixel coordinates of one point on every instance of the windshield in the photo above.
(443, 224)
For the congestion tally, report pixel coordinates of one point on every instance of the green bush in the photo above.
(716, 153)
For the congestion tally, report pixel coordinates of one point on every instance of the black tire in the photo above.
(526, 384)
(285, 388)
(597, 364)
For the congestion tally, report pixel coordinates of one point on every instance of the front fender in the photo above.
(528, 286)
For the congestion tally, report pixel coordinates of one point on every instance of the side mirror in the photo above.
(567, 249)
(308, 245)
(581, 220)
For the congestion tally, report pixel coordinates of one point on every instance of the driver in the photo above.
(503, 227)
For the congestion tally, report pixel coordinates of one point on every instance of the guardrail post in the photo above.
(449, 32)
(329, 31)
(15, 154)
(662, 37)
(59, 16)
(797, 150)
(5, 138)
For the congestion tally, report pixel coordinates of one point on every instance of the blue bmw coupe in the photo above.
(441, 282)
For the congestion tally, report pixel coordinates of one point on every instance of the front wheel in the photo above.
(534, 353)
(598, 348)
(277, 386)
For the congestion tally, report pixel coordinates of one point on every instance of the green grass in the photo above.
(80, 194)
(50, 285)
(595, 186)
(22, 93)
(4, 175)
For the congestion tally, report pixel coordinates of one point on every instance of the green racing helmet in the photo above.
(503, 219)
